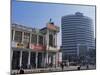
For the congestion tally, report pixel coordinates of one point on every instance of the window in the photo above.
(34, 39)
(27, 37)
(18, 36)
(26, 40)
(40, 39)
(51, 40)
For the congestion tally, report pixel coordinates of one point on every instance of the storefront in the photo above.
(27, 58)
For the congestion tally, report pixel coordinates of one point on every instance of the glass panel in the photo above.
(51, 40)
(32, 59)
(24, 59)
(39, 60)
(26, 40)
(34, 39)
(40, 39)
(18, 36)
(15, 59)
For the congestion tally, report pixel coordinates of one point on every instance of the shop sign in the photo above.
(37, 47)
(53, 49)
(20, 45)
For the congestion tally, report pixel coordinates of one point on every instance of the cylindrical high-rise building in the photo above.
(77, 35)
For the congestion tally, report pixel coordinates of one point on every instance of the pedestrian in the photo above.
(87, 67)
(18, 69)
(78, 68)
(51, 64)
(21, 71)
(62, 66)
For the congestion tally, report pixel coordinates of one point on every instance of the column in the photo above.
(54, 59)
(28, 65)
(36, 59)
(22, 37)
(46, 58)
(20, 62)
(13, 34)
(47, 38)
(37, 39)
(11, 57)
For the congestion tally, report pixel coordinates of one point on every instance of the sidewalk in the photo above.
(57, 69)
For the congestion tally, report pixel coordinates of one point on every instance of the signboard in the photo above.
(37, 47)
(53, 49)
(19, 45)
(52, 27)
(13, 44)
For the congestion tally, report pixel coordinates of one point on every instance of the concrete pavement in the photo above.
(57, 69)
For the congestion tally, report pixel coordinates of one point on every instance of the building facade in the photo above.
(33, 48)
(77, 35)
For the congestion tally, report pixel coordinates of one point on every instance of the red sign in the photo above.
(37, 47)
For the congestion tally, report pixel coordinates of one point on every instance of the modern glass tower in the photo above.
(77, 35)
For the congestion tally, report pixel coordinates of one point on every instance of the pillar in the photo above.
(11, 57)
(37, 39)
(54, 59)
(13, 34)
(47, 40)
(20, 62)
(22, 37)
(36, 59)
(28, 65)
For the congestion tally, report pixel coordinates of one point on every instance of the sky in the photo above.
(36, 14)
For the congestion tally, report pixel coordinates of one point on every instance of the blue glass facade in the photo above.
(76, 29)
